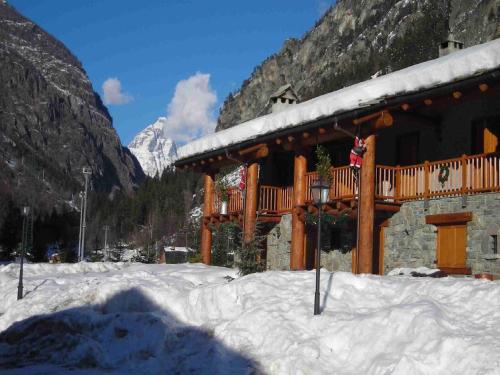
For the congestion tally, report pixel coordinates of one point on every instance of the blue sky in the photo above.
(156, 48)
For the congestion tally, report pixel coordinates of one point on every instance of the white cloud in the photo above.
(190, 112)
(112, 89)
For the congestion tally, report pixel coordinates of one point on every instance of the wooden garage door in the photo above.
(451, 243)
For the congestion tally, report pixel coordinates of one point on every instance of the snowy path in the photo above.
(167, 319)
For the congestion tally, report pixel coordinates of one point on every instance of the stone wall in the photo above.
(279, 240)
(278, 248)
(409, 242)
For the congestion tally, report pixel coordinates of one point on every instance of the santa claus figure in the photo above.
(356, 157)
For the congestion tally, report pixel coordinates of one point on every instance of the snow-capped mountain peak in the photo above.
(153, 149)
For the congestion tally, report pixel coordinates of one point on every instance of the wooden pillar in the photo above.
(206, 233)
(251, 202)
(490, 141)
(298, 226)
(367, 208)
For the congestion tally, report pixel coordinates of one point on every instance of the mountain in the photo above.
(154, 151)
(355, 40)
(52, 122)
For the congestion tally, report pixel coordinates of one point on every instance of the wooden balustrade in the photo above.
(234, 205)
(467, 175)
(268, 199)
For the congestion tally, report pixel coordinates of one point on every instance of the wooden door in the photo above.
(451, 243)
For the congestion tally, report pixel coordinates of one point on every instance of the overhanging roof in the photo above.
(458, 66)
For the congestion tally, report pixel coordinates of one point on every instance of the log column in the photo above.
(298, 226)
(490, 141)
(367, 208)
(250, 202)
(206, 233)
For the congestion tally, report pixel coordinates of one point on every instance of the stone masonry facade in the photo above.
(410, 242)
(278, 249)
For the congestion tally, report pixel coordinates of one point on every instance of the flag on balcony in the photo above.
(243, 178)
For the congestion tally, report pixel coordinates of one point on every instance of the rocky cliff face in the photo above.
(355, 40)
(153, 149)
(52, 122)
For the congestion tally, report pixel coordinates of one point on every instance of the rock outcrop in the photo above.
(357, 39)
(52, 121)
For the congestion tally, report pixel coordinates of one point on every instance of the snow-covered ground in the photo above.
(175, 319)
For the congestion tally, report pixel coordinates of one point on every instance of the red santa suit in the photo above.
(243, 178)
(356, 157)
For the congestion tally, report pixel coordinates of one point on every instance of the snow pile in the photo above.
(454, 67)
(158, 319)
(153, 149)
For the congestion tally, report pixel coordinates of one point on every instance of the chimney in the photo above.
(283, 98)
(450, 45)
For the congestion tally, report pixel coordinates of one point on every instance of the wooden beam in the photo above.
(206, 233)
(483, 87)
(269, 219)
(251, 149)
(367, 208)
(251, 202)
(298, 225)
(384, 121)
(254, 152)
(370, 117)
(456, 218)
(387, 207)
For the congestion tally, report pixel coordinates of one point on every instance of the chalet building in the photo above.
(430, 178)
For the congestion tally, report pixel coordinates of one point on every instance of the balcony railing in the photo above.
(466, 175)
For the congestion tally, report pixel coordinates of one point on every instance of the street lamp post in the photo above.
(24, 240)
(83, 216)
(106, 251)
(319, 191)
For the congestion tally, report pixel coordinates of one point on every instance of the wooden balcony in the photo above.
(467, 175)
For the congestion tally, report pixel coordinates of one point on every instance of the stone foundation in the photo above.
(278, 249)
(409, 242)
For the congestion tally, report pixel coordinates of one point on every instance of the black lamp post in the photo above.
(319, 191)
(24, 240)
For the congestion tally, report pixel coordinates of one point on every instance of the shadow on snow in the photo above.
(128, 333)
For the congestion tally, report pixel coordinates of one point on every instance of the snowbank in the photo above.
(130, 318)
(454, 67)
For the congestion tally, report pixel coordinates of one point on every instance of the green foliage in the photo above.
(222, 188)
(195, 258)
(249, 254)
(223, 241)
(323, 164)
(327, 220)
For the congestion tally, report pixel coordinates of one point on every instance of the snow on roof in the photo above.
(457, 66)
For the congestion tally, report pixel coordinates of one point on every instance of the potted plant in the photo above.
(222, 190)
(323, 168)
